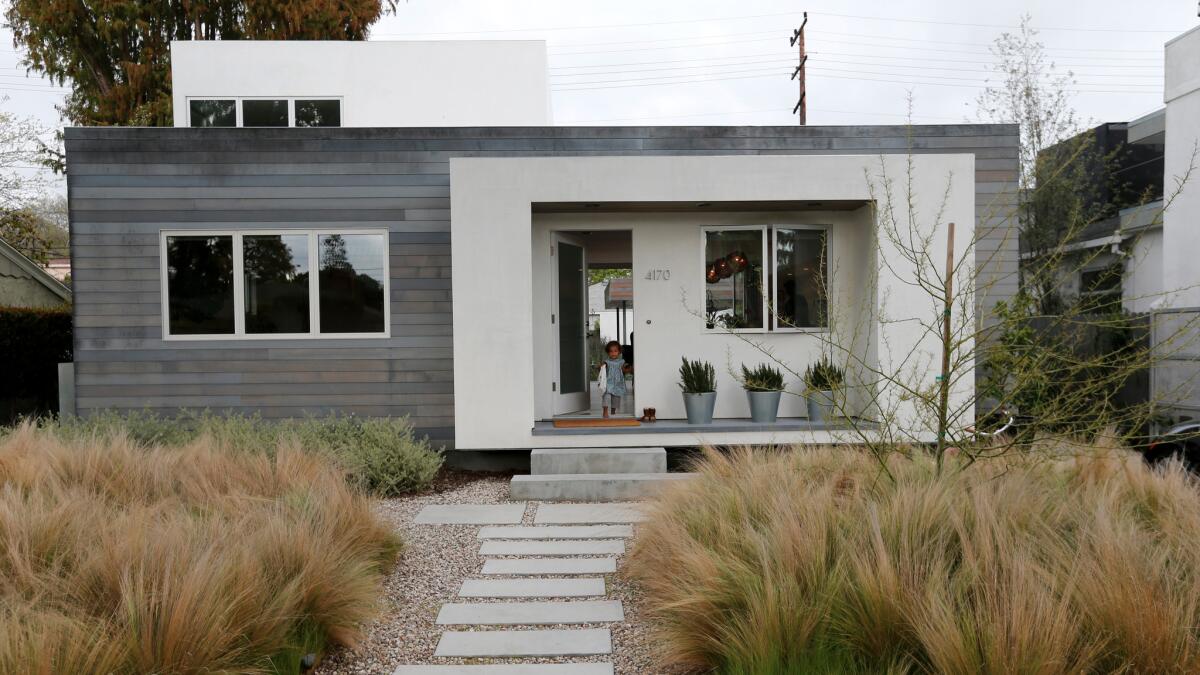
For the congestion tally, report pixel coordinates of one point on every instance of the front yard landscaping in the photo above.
(203, 546)
(816, 561)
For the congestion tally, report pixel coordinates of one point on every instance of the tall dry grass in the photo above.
(811, 561)
(121, 558)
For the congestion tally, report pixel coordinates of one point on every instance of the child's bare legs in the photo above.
(605, 412)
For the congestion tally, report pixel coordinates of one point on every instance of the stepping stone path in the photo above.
(546, 579)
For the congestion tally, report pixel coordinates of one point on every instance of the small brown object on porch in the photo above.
(579, 423)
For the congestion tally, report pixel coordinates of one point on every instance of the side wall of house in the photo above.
(127, 185)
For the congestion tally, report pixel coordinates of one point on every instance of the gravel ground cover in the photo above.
(436, 560)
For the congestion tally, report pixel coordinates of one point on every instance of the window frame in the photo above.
(239, 285)
(771, 290)
(291, 109)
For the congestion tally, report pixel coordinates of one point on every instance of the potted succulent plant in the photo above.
(698, 381)
(821, 380)
(764, 386)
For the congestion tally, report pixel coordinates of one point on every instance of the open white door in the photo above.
(569, 316)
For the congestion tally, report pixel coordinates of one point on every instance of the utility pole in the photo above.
(798, 39)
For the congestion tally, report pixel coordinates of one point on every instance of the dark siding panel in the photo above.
(126, 185)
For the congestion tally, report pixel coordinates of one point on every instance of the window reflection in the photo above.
(265, 113)
(733, 279)
(351, 283)
(800, 266)
(213, 113)
(200, 285)
(318, 113)
(275, 268)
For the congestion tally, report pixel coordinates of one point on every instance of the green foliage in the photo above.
(697, 377)
(1065, 373)
(115, 54)
(27, 231)
(34, 341)
(764, 377)
(824, 375)
(596, 276)
(382, 456)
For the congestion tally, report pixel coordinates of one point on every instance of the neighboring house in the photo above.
(1116, 260)
(441, 272)
(610, 309)
(23, 283)
(59, 268)
(1142, 254)
(1181, 222)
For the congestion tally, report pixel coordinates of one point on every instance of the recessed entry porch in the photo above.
(717, 249)
(657, 278)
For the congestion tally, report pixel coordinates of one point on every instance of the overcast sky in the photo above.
(722, 62)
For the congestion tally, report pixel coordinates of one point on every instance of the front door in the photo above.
(569, 316)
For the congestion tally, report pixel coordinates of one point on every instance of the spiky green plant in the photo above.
(763, 377)
(697, 377)
(824, 375)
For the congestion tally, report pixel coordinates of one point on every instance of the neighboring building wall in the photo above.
(1181, 222)
(381, 84)
(127, 184)
(19, 289)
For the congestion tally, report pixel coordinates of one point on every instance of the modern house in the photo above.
(437, 267)
(1114, 261)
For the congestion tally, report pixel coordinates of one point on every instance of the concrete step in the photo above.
(532, 588)
(506, 643)
(551, 461)
(470, 514)
(510, 669)
(530, 613)
(542, 566)
(573, 514)
(570, 547)
(557, 532)
(594, 487)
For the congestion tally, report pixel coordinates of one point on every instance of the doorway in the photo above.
(591, 305)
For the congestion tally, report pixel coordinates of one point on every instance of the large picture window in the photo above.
(262, 284)
(765, 278)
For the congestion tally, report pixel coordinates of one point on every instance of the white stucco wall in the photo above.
(1181, 221)
(381, 83)
(500, 258)
(1141, 288)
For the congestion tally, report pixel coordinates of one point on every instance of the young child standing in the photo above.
(613, 370)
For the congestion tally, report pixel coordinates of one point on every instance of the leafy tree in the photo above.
(31, 232)
(116, 53)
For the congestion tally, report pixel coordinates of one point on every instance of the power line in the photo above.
(779, 61)
(795, 15)
(621, 84)
(760, 110)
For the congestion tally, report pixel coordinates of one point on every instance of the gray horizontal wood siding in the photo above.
(127, 184)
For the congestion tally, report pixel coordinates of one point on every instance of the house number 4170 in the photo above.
(658, 275)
